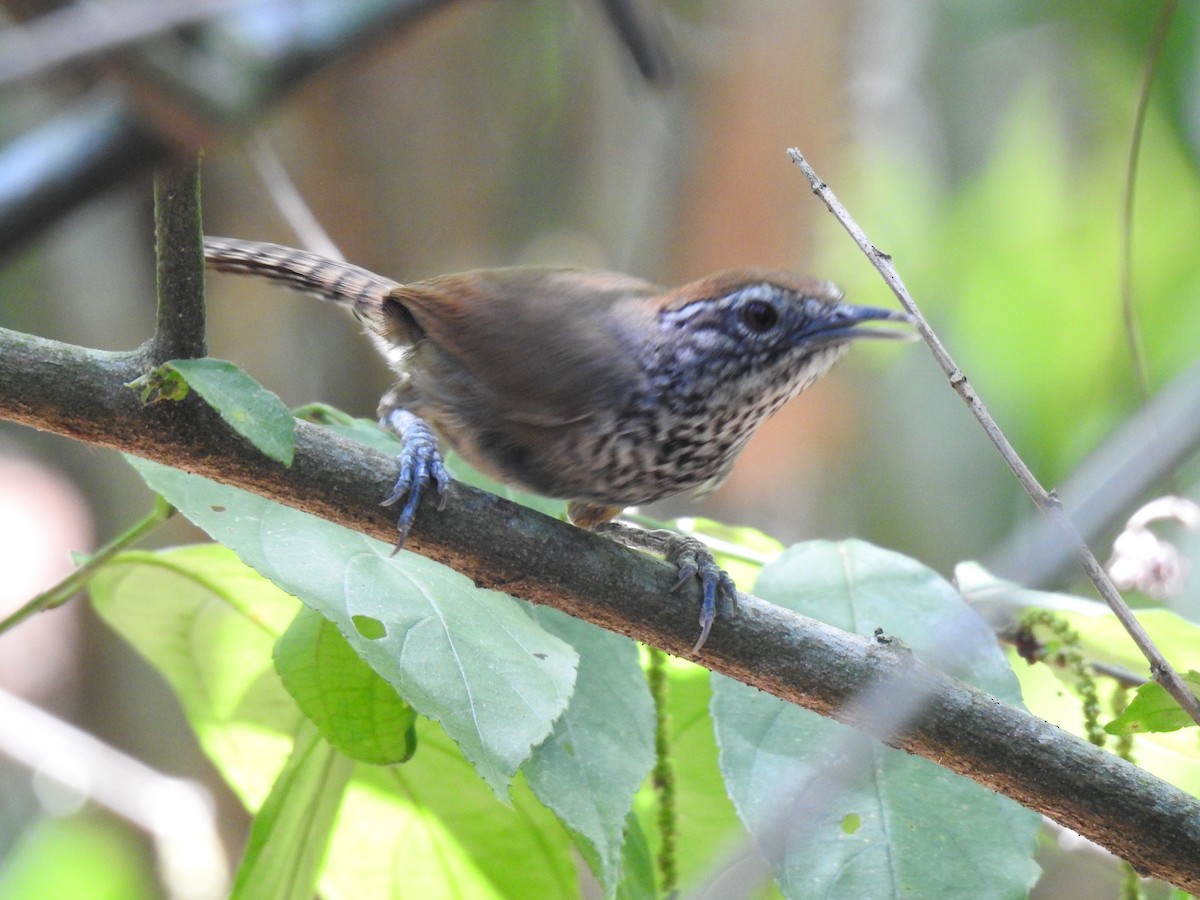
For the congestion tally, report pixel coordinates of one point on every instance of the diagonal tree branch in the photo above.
(80, 393)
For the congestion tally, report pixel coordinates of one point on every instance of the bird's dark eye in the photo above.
(759, 316)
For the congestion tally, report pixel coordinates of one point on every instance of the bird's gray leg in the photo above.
(420, 463)
(692, 559)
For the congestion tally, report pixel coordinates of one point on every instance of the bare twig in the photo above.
(1046, 501)
(1111, 479)
(288, 199)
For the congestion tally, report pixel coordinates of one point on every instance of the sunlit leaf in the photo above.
(1153, 709)
(250, 409)
(292, 830)
(428, 828)
(355, 710)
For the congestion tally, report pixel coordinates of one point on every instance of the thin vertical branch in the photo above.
(179, 245)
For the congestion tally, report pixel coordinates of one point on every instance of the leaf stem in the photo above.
(82, 574)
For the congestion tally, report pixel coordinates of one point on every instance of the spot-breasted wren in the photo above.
(598, 388)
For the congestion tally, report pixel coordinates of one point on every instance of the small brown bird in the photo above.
(595, 387)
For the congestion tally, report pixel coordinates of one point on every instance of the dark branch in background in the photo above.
(640, 29)
(1048, 504)
(83, 31)
(89, 149)
(179, 94)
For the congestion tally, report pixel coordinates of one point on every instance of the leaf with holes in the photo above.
(472, 660)
(431, 827)
(356, 711)
(838, 814)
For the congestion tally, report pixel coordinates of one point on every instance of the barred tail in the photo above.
(300, 270)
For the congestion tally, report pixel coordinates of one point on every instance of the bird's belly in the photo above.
(603, 463)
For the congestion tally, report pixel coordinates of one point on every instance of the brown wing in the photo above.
(542, 347)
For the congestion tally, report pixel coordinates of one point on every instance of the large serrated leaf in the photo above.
(891, 825)
(430, 828)
(472, 660)
(602, 748)
(250, 409)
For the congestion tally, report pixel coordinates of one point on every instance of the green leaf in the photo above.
(998, 600)
(355, 710)
(472, 660)
(428, 828)
(432, 828)
(208, 624)
(919, 830)
(249, 408)
(637, 870)
(602, 748)
(364, 431)
(1102, 638)
(292, 830)
(1153, 709)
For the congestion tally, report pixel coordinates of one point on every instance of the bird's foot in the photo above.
(692, 559)
(420, 464)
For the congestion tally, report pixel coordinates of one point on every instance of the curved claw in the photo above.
(420, 463)
(694, 560)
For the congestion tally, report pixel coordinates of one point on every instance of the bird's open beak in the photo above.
(845, 322)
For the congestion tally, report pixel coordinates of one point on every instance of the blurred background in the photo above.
(985, 146)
